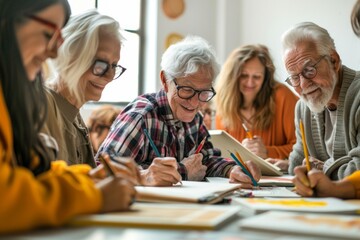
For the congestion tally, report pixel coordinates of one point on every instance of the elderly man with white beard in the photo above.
(329, 101)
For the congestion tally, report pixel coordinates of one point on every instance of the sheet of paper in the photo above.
(315, 205)
(305, 224)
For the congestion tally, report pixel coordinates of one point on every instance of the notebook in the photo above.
(326, 226)
(265, 181)
(252, 206)
(187, 192)
(163, 216)
(224, 141)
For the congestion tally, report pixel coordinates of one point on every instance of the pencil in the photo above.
(152, 144)
(108, 168)
(308, 166)
(240, 159)
(200, 145)
(244, 169)
(248, 133)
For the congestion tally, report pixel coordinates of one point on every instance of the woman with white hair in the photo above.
(87, 61)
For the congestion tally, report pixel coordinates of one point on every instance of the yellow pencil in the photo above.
(248, 133)
(308, 166)
(242, 162)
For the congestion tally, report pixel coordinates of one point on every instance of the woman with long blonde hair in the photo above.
(249, 97)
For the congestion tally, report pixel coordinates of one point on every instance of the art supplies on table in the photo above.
(187, 192)
(326, 226)
(314, 205)
(225, 142)
(163, 216)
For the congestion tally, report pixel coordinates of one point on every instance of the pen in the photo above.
(151, 143)
(248, 133)
(244, 169)
(108, 168)
(200, 145)
(308, 166)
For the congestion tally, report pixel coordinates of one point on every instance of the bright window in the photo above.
(128, 14)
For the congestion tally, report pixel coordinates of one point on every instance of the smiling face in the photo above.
(186, 109)
(34, 36)
(316, 92)
(108, 51)
(251, 78)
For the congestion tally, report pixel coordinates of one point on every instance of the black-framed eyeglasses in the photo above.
(308, 72)
(56, 39)
(186, 92)
(100, 68)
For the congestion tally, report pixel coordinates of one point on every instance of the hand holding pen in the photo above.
(126, 167)
(162, 170)
(244, 172)
(118, 192)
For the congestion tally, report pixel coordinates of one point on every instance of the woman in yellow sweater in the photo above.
(36, 192)
(249, 97)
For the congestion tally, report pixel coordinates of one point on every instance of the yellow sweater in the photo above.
(50, 199)
(355, 180)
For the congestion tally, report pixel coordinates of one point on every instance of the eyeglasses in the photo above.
(56, 39)
(308, 72)
(186, 92)
(100, 68)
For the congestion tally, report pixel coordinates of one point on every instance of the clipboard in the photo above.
(224, 141)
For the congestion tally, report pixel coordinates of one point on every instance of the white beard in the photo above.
(318, 105)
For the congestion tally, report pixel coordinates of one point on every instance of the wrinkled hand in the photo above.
(118, 193)
(283, 164)
(238, 176)
(315, 182)
(126, 166)
(161, 172)
(315, 163)
(196, 171)
(256, 146)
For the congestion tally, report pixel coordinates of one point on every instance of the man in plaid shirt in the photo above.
(172, 119)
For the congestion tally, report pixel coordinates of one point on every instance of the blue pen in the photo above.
(151, 143)
(244, 169)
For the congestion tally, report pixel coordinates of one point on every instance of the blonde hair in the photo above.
(229, 100)
(105, 114)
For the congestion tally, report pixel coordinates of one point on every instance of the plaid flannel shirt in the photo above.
(172, 137)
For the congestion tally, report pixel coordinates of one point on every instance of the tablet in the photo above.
(225, 142)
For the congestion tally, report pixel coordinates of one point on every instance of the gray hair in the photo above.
(76, 54)
(308, 31)
(187, 57)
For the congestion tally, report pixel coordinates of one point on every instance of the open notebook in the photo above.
(163, 216)
(224, 141)
(187, 192)
(326, 226)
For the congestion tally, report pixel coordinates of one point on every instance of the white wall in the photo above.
(227, 24)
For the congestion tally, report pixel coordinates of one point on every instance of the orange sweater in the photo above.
(280, 137)
(49, 199)
(355, 180)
